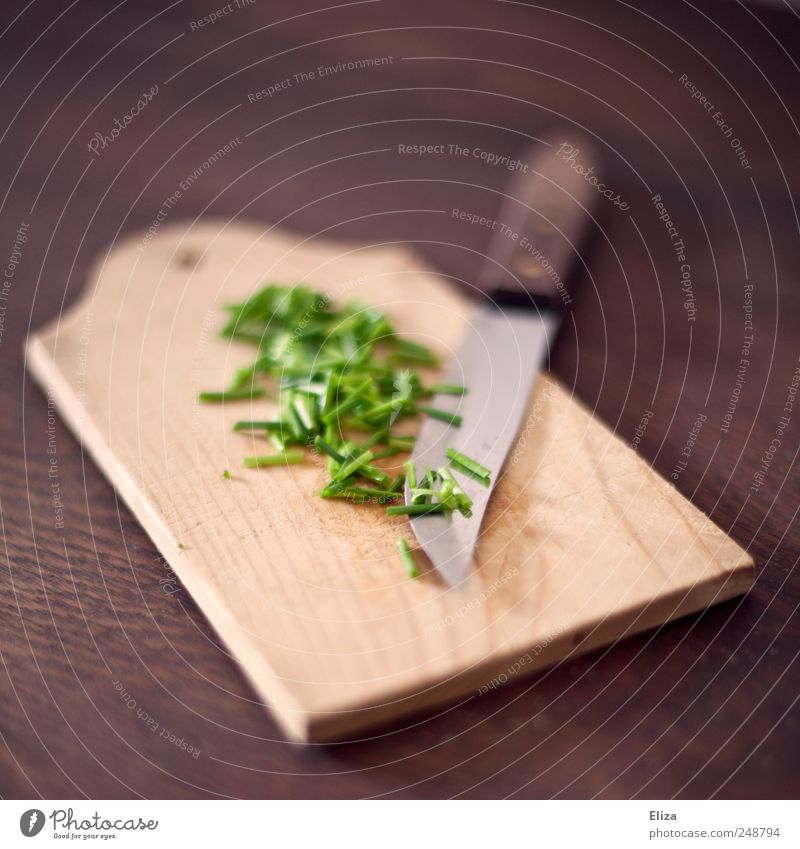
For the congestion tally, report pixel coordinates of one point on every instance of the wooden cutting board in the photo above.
(582, 545)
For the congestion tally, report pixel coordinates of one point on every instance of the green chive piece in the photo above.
(415, 509)
(353, 423)
(303, 408)
(226, 474)
(277, 442)
(411, 474)
(447, 389)
(378, 436)
(462, 502)
(346, 405)
(410, 352)
(231, 395)
(408, 558)
(442, 415)
(468, 463)
(286, 457)
(328, 449)
(360, 493)
(375, 475)
(468, 473)
(271, 426)
(353, 466)
(340, 370)
(394, 405)
(388, 452)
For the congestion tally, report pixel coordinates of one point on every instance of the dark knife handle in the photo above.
(542, 222)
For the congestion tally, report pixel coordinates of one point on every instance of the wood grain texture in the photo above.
(581, 545)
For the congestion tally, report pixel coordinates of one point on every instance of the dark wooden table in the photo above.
(705, 707)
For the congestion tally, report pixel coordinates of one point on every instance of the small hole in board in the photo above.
(188, 258)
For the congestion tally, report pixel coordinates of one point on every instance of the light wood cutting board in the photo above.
(582, 545)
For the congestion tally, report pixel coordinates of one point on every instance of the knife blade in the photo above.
(548, 208)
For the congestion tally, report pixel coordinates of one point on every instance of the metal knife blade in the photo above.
(548, 208)
(499, 360)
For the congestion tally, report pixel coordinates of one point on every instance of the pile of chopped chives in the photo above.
(345, 379)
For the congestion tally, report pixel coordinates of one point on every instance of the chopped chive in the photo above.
(338, 371)
(330, 390)
(295, 425)
(375, 475)
(286, 457)
(462, 501)
(231, 395)
(468, 463)
(423, 493)
(277, 441)
(381, 496)
(447, 389)
(347, 404)
(378, 436)
(415, 509)
(442, 415)
(468, 473)
(410, 352)
(271, 426)
(408, 558)
(411, 474)
(353, 466)
(394, 405)
(302, 407)
(388, 452)
(328, 449)
(226, 474)
(353, 423)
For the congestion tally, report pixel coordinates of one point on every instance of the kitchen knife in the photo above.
(523, 298)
